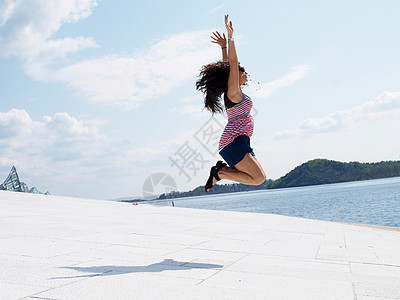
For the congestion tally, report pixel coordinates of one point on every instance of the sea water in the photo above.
(375, 202)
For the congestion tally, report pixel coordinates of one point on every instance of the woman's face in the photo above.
(242, 76)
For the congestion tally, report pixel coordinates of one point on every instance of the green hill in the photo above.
(323, 171)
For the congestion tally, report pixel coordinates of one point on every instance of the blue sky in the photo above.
(97, 96)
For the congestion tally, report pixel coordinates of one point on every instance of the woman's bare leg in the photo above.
(235, 175)
(247, 171)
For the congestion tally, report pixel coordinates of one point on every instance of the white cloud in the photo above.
(264, 90)
(15, 122)
(65, 153)
(27, 30)
(58, 146)
(27, 27)
(62, 124)
(215, 9)
(127, 81)
(45, 140)
(386, 104)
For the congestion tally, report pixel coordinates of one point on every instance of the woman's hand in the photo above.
(218, 39)
(229, 27)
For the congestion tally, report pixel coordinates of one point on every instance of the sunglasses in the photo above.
(242, 69)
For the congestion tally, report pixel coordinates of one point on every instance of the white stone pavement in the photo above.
(68, 248)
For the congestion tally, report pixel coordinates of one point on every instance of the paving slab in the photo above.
(72, 248)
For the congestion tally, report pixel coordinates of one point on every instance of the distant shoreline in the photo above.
(234, 191)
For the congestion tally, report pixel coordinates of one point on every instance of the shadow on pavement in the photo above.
(165, 265)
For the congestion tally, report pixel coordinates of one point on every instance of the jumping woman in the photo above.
(225, 78)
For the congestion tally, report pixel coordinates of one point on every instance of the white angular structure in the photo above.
(12, 182)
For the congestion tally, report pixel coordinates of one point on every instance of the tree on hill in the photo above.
(323, 171)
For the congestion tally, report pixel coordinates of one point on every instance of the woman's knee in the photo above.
(258, 175)
(259, 178)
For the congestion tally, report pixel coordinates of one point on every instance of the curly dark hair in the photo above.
(213, 82)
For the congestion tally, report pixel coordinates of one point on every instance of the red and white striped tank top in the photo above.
(240, 122)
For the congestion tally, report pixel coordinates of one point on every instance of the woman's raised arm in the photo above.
(234, 92)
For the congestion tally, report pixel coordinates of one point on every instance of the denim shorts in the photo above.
(236, 150)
